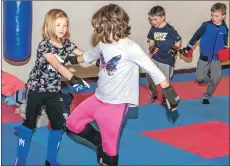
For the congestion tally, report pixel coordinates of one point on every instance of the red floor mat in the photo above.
(78, 98)
(8, 114)
(188, 90)
(208, 139)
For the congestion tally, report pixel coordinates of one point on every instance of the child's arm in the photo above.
(44, 51)
(54, 62)
(178, 44)
(152, 49)
(185, 51)
(151, 44)
(89, 56)
(226, 40)
(177, 38)
(139, 57)
(197, 35)
(78, 52)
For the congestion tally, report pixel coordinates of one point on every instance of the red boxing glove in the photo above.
(187, 52)
(223, 55)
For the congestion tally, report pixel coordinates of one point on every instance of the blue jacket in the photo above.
(212, 39)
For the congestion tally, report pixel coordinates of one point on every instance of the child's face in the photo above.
(217, 18)
(156, 21)
(61, 27)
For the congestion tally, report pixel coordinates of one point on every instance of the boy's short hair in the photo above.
(49, 25)
(219, 7)
(111, 22)
(157, 11)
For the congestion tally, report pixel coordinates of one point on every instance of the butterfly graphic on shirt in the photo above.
(111, 65)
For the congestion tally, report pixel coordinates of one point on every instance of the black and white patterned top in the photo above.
(43, 77)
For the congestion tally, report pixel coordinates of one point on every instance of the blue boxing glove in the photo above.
(79, 84)
(172, 97)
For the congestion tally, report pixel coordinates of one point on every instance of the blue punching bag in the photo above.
(17, 31)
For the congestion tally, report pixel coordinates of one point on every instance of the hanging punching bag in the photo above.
(17, 31)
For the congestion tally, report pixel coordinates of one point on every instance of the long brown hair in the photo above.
(111, 23)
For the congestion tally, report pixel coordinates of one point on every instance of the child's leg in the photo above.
(82, 114)
(66, 99)
(152, 87)
(78, 123)
(110, 118)
(89, 137)
(167, 70)
(54, 111)
(34, 103)
(202, 70)
(215, 74)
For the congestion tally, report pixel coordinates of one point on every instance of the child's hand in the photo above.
(79, 84)
(153, 50)
(71, 59)
(67, 64)
(223, 55)
(186, 52)
(172, 99)
(173, 51)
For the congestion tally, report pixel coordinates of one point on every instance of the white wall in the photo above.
(186, 17)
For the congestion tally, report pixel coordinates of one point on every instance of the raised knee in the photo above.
(71, 125)
(200, 80)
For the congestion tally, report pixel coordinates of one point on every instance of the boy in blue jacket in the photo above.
(213, 36)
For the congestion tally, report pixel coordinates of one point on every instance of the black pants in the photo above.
(53, 105)
(66, 102)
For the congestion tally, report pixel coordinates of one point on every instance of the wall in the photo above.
(186, 17)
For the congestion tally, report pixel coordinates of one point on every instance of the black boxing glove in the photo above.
(172, 97)
(71, 59)
(173, 51)
(184, 51)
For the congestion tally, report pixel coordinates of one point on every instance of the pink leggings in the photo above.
(109, 118)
